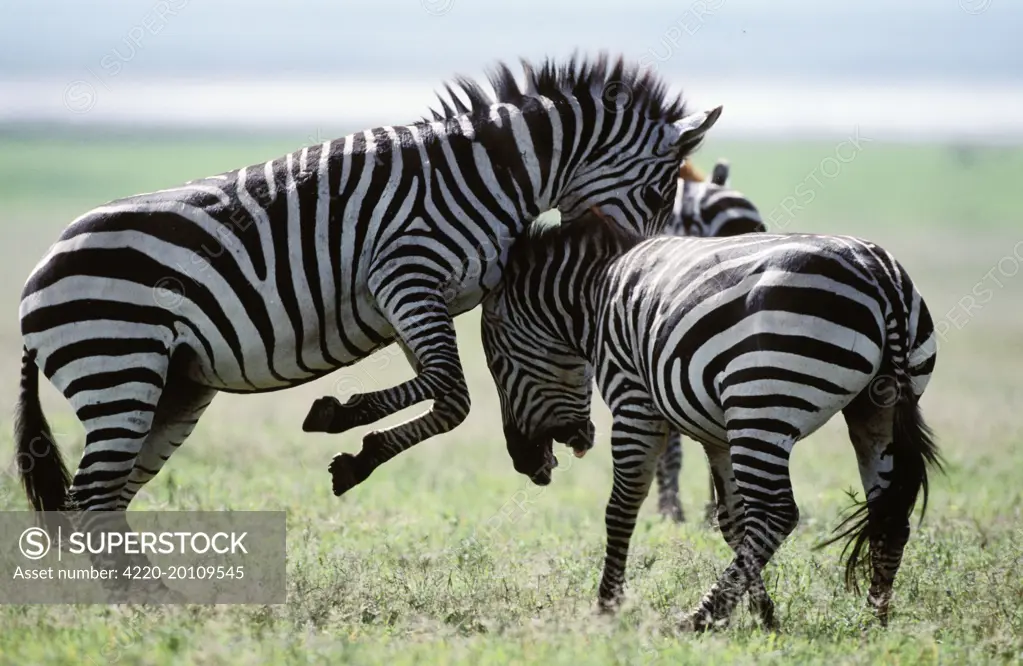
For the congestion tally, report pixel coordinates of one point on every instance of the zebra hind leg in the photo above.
(117, 406)
(730, 515)
(669, 466)
(893, 447)
(181, 405)
(762, 478)
(428, 333)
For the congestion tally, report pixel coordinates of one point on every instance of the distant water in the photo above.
(910, 112)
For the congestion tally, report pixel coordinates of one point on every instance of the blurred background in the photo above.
(923, 69)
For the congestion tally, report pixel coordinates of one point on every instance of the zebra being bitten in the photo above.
(277, 274)
(747, 345)
(702, 208)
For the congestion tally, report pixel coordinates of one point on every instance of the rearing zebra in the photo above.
(702, 208)
(746, 344)
(283, 272)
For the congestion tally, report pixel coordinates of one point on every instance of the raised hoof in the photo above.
(321, 415)
(344, 473)
(327, 414)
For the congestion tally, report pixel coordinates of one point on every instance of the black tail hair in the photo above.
(43, 473)
(913, 450)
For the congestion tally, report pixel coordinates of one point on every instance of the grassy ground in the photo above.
(388, 574)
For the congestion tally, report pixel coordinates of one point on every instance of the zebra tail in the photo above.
(43, 472)
(913, 451)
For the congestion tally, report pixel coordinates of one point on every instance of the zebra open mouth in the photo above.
(578, 436)
(534, 456)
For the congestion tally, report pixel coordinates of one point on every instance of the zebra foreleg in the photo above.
(669, 466)
(636, 443)
(330, 415)
(762, 478)
(427, 330)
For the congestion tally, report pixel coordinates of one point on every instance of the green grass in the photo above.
(446, 555)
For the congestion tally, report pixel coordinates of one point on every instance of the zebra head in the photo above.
(711, 208)
(544, 386)
(582, 134)
(535, 328)
(635, 183)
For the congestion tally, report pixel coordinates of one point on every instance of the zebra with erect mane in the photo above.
(747, 345)
(283, 272)
(703, 208)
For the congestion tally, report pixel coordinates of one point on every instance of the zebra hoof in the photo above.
(696, 623)
(330, 416)
(321, 415)
(346, 473)
(609, 605)
(672, 510)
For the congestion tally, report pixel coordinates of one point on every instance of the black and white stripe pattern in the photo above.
(704, 208)
(277, 274)
(747, 345)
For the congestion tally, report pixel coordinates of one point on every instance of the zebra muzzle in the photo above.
(578, 436)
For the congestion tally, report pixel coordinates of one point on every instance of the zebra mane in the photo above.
(589, 228)
(620, 83)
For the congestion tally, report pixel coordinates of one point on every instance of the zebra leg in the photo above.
(117, 407)
(181, 405)
(426, 329)
(871, 431)
(637, 440)
(730, 517)
(669, 466)
(761, 474)
(117, 410)
(710, 508)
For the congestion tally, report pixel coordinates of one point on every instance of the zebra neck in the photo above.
(572, 310)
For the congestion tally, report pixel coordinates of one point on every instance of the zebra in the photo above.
(746, 344)
(277, 274)
(702, 208)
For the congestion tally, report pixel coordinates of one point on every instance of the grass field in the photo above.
(387, 573)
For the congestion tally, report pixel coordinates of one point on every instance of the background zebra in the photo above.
(277, 274)
(702, 208)
(746, 344)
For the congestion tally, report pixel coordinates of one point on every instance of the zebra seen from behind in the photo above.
(747, 345)
(284, 272)
(703, 208)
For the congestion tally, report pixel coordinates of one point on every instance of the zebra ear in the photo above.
(692, 128)
(720, 174)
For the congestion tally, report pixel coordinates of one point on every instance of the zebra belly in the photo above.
(288, 353)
